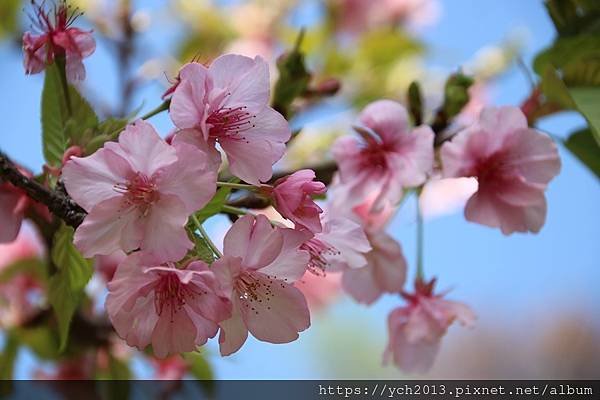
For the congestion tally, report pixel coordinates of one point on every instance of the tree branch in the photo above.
(59, 204)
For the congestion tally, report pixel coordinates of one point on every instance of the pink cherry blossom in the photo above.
(341, 245)
(57, 38)
(416, 329)
(18, 294)
(176, 310)
(293, 198)
(388, 159)
(227, 103)
(259, 265)
(513, 165)
(385, 271)
(139, 193)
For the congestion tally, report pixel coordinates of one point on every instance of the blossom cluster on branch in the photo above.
(133, 194)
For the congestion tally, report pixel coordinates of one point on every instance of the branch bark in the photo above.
(59, 204)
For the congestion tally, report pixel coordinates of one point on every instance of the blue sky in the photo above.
(507, 279)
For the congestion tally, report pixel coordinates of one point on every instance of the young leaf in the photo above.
(214, 205)
(293, 78)
(53, 118)
(66, 285)
(584, 147)
(587, 100)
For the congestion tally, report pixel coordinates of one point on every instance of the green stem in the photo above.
(420, 272)
(164, 106)
(204, 234)
(235, 210)
(242, 186)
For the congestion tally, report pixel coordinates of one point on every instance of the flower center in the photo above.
(251, 290)
(140, 192)
(230, 123)
(318, 251)
(171, 294)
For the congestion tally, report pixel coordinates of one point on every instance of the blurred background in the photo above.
(536, 296)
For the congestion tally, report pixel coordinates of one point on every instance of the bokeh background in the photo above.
(536, 296)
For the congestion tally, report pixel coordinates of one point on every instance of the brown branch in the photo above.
(59, 204)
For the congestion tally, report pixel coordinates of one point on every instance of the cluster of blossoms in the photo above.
(141, 194)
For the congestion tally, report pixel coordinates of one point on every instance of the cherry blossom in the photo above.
(259, 265)
(293, 198)
(176, 310)
(513, 165)
(416, 329)
(388, 159)
(227, 103)
(385, 271)
(56, 38)
(341, 245)
(139, 193)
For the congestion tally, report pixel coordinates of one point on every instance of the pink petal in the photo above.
(140, 144)
(387, 118)
(245, 79)
(164, 231)
(187, 109)
(91, 180)
(173, 334)
(412, 162)
(281, 315)
(502, 121)
(290, 263)
(233, 331)
(237, 238)
(488, 210)
(360, 284)
(264, 245)
(192, 179)
(266, 138)
(388, 262)
(101, 231)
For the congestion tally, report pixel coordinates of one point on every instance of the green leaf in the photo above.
(203, 250)
(61, 129)
(587, 100)
(415, 102)
(107, 130)
(293, 78)
(585, 148)
(456, 93)
(67, 284)
(555, 89)
(214, 205)
(8, 357)
(9, 15)
(53, 117)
